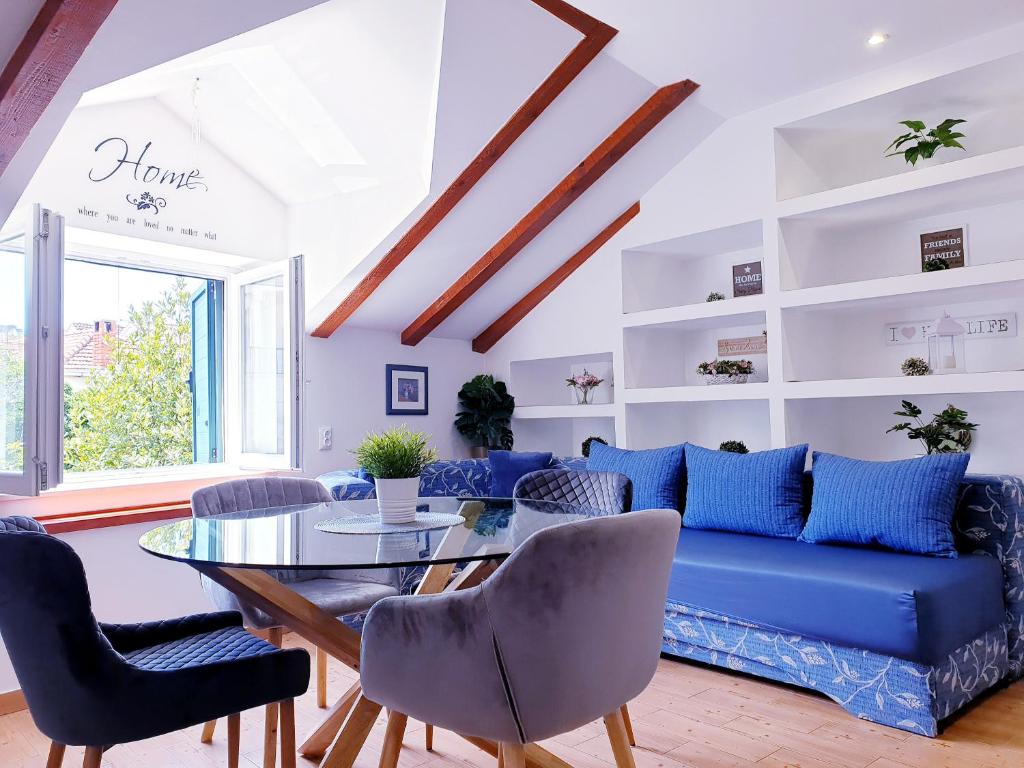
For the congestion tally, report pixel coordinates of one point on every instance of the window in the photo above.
(142, 368)
(111, 362)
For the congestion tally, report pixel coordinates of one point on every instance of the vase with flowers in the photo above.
(583, 385)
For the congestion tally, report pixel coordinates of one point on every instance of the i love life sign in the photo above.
(995, 324)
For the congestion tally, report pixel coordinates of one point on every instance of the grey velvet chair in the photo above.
(566, 631)
(338, 592)
(608, 491)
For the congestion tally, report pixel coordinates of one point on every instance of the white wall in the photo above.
(345, 390)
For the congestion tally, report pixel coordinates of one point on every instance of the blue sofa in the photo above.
(901, 640)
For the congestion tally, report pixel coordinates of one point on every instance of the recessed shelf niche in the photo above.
(880, 238)
(541, 381)
(652, 425)
(846, 146)
(684, 270)
(667, 354)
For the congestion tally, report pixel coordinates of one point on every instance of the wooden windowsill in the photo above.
(89, 506)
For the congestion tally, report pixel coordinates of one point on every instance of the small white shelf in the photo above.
(698, 393)
(745, 310)
(909, 289)
(935, 176)
(594, 411)
(949, 384)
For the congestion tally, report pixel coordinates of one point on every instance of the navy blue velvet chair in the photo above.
(98, 685)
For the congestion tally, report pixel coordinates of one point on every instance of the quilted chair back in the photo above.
(577, 615)
(608, 491)
(256, 493)
(63, 662)
(249, 494)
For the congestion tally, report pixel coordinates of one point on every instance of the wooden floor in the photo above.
(690, 716)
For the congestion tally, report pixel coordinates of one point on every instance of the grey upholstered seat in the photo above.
(338, 592)
(607, 491)
(567, 630)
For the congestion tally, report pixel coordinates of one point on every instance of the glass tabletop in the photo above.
(287, 537)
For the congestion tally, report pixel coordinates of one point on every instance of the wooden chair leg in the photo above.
(619, 740)
(93, 757)
(512, 755)
(624, 710)
(275, 636)
(393, 740)
(288, 733)
(429, 737)
(321, 678)
(234, 736)
(208, 728)
(270, 737)
(56, 756)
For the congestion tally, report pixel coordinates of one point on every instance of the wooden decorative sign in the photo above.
(949, 245)
(745, 345)
(746, 279)
(993, 325)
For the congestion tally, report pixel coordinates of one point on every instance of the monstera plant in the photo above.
(485, 414)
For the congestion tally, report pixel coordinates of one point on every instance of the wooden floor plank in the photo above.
(691, 717)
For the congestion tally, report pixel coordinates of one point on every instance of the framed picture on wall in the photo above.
(406, 390)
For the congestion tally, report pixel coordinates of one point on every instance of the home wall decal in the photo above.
(119, 150)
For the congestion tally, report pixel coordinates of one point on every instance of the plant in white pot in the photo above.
(395, 459)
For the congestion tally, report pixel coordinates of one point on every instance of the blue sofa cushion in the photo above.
(911, 607)
(656, 473)
(508, 466)
(760, 493)
(905, 506)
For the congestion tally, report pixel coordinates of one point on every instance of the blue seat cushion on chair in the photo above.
(508, 466)
(760, 493)
(908, 606)
(656, 473)
(906, 506)
(226, 644)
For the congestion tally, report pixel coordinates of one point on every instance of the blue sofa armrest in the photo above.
(990, 520)
(345, 484)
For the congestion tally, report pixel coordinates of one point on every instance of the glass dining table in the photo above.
(456, 543)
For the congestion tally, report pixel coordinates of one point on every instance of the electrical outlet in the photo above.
(325, 438)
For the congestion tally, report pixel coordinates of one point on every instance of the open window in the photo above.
(264, 308)
(31, 404)
(113, 362)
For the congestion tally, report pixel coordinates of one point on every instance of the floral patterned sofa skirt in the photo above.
(876, 687)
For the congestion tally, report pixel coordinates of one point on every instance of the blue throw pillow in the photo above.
(656, 473)
(757, 493)
(904, 505)
(508, 466)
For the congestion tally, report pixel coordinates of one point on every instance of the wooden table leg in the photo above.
(315, 747)
(346, 747)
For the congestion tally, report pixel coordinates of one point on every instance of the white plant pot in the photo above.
(396, 499)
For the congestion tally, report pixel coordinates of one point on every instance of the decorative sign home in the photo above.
(744, 345)
(950, 245)
(406, 390)
(992, 325)
(746, 279)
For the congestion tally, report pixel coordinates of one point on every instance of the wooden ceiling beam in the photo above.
(565, 193)
(489, 337)
(596, 36)
(52, 46)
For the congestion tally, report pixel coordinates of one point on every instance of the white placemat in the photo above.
(425, 521)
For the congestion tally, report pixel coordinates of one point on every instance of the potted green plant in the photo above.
(947, 432)
(921, 142)
(395, 459)
(715, 296)
(915, 366)
(485, 415)
(734, 446)
(585, 448)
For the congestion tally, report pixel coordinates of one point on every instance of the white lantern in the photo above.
(946, 346)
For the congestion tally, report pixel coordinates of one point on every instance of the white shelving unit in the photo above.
(547, 417)
(840, 252)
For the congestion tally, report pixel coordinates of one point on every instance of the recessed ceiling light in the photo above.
(877, 38)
